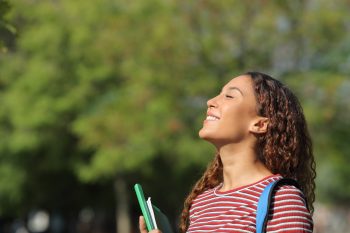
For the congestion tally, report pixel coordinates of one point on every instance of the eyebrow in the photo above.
(236, 88)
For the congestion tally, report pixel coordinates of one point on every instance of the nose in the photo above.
(212, 102)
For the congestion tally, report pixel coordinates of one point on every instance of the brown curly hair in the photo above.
(285, 149)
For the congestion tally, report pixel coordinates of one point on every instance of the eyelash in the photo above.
(228, 96)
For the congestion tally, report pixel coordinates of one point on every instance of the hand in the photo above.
(143, 228)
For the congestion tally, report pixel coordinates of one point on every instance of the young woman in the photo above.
(260, 133)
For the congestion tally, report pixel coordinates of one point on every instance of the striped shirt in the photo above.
(235, 210)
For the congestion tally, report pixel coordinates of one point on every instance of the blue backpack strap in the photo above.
(262, 212)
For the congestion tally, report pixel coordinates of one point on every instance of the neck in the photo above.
(240, 166)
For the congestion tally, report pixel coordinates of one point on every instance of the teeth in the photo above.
(212, 118)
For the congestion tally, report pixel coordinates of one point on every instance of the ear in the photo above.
(259, 125)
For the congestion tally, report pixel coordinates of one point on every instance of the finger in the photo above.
(142, 225)
(143, 228)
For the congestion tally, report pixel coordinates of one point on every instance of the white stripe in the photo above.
(223, 208)
(232, 204)
(201, 220)
(289, 211)
(216, 231)
(288, 218)
(210, 205)
(256, 198)
(288, 187)
(289, 206)
(307, 225)
(201, 196)
(292, 229)
(225, 227)
(286, 195)
(220, 197)
(205, 211)
(289, 201)
(258, 193)
(211, 217)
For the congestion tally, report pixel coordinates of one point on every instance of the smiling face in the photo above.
(231, 115)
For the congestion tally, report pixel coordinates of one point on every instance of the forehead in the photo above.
(243, 82)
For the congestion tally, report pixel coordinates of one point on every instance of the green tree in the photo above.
(7, 31)
(111, 93)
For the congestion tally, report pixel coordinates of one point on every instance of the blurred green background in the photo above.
(98, 95)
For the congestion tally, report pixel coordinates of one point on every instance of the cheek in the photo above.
(237, 119)
(234, 125)
(235, 114)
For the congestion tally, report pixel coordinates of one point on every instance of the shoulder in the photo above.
(285, 194)
(288, 195)
(289, 211)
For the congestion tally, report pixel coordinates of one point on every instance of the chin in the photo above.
(205, 135)
(202, 133)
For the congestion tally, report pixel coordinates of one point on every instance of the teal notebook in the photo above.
(154, 218)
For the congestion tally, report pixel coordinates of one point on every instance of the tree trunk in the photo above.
(122, 206)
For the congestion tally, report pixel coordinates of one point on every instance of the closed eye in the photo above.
(229, 96)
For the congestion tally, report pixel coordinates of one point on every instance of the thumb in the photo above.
(142, 225)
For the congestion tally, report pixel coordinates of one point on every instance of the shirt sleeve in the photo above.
(288, 212)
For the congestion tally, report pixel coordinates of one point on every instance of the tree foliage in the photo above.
(92, 90)
(7, 31)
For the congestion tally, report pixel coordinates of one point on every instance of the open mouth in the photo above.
(212, 118)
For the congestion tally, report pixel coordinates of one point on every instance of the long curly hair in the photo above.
(286, 147)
